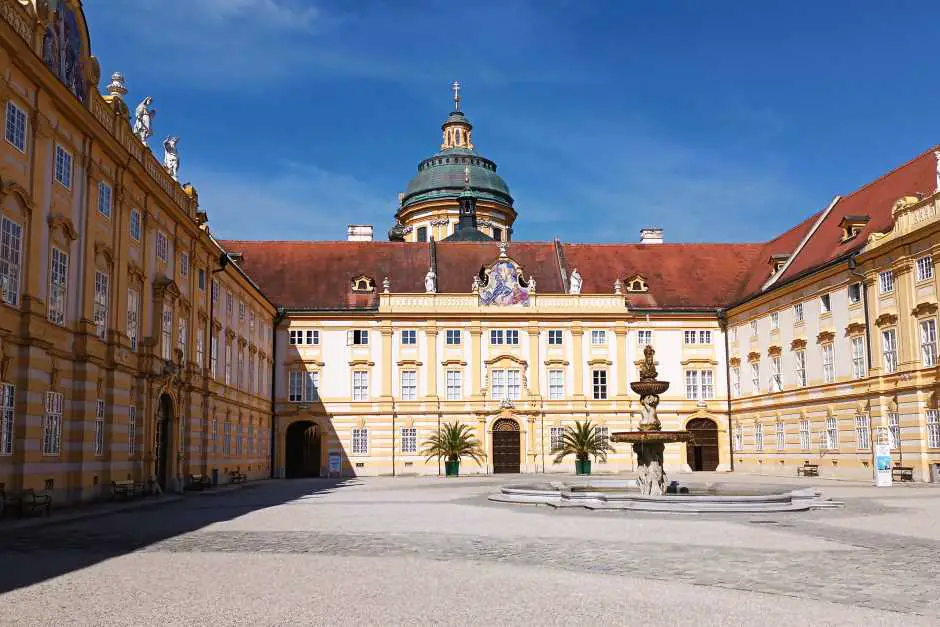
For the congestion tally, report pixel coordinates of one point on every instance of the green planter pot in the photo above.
(582, 467)
(452, 469)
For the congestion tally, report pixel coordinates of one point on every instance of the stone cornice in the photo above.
(825, 337)
(924, 309)
(886, 320)
(798, 344)
(774, 351)
(854, 328)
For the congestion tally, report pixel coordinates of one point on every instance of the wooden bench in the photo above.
(199, 482)
(26, 503)
(902, 473)
(237, 476)
(808, 470)
(127, 489)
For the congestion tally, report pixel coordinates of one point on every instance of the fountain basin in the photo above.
(649, 388)
(657, 437)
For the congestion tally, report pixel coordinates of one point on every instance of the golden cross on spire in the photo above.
(456, 88)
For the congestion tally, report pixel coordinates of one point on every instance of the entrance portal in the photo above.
(161, 442)
(702, 452)
(302, 450)
(506, 454)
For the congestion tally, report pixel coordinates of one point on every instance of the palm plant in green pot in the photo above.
(584, 441)
(451, 442)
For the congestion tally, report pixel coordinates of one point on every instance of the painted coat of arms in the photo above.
(505, 285)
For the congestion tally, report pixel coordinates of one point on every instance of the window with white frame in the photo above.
(858, 357)
(556, 384)
(63, 166)
(825, 304)
(739, 438)
(99, 427)
(886, 281)
(214, 436)
(360, 441)
(862, 436)
(360, 391)
(755, 377)
(409, 440)
(855, 293)
(736, 381)
(131, 430)
(799, 367)
(933, 428)
(15, 128)
(238, 440)
(798, 312)
(454, 385)
(228, 362)
(805, 443)
(201, 348)
(409, 385)
(227, 439)
(104, 199)
(894, 430)
(166, 332)
(925, 268)
(58, 286)
(252, 388)
(512, 337)
(52, 424)
(184, 264)
(134, 225)
(452, 337)
(776, 382)
(699, 384)
(214, 355)
(240, 376)
(100, 311)
(133, 306)
(644, 337)
(215, 292)
(183, 336)
(753, 325)
(599, 379)
(163, 247)
(774, 321)
(928, 342)
(733, 334)
(698, 337)
(506, 384)
(603, 435)
(832, 434)
(781, 435)
(498, 384)
(691, 384)
(556, 437)
(598, 337)
(758, 437)
(829, 372)
(301, 336)
(229, 305)
(409, 337)
(554, 337)
(357, 337)
(11, 242)
(889, 348)
(7, 414)
(241, 311)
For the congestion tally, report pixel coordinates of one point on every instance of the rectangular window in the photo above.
(358, 337)
(739, 438)
(422, 234)
(240, 375)
(58, 286)
(691, 337)
(11, 242)
(312, 337)
(886, 282)
(295, 337)
(598, 337)
(603, 435)
(104, 199)
(201, 279)
(832, 434)
(889, 346)
(928, 342)
(736, 381)
(184, 264)
(201, 348)
(855, 293)
(409, 385)
(798, 312)
(556, 385)
(16, 126)
(708, 385)
(758, 437)
(227, 439)
(776, 383)
(454, 385)
(825, 304)
(496, 336)
(409, 337)
(215, 292)
(862, 437)
(858, 357)
(166, 343)
(360, 390)
(100, 312)
(894, 430)
(52, 424)
(599, 378)
(755, 377)
(804, 434)
(163, 247)
(409, 440)
(303, 386)
(131, 430)
(134, 225)
(498, 385)
(228, 363)
(933, 428)
(241, 311)
(554, 337)
(799, 367)
(774, 321)
(512, 337)
(556, 437)
(781, 435)
(753, 328)
(829, 373)
(925, 268)
(733, 334)
(360, 441)
(229, 305)
(251, 374)
(133, 306)
(514, 384)
(452, 337)
(644, 337)
(99, 427)
(214, 355)
(691, 384)
(63, 166)
(7, 405)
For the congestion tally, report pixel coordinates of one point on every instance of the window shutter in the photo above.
(349, 338)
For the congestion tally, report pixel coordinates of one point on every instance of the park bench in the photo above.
(902, 473)
(26, 502)
(199, 482)
(808, 470)
(237, 476)
(127, 489)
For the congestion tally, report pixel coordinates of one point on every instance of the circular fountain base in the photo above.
(612, 494)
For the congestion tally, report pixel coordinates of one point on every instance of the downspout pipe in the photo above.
(723, 323)
(278, 318)
(853, 270)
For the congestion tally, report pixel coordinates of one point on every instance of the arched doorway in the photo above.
(702, 452)
(161, 443)
(506, 454)
(302, 450)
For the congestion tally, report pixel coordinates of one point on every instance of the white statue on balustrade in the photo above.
(143, 119)
(430, 282)
(171, 157)
(575, 282)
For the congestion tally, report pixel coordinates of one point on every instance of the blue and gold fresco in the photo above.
(503, 286)
(62, 47)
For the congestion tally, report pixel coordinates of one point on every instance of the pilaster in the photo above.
(387, 364)
(577, 346)
(535, 389)
(623, 369)
(476, 331)
(431, 333)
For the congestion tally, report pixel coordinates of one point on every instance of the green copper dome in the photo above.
(443, 176)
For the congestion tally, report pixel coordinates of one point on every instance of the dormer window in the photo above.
(636, 284)
(777, 262)
(363, 284)
(852, 225)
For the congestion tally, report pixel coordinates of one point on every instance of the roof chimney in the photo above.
(651, 235)
(359, 233)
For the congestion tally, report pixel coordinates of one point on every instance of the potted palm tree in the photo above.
(583, 441)
(451, 442)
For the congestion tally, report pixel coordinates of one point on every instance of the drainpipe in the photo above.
(224, 260)
(871, 432)
(393, 437)
(723, 323)
(281, 314)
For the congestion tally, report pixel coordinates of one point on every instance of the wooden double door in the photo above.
(702, 452)
(507, 450)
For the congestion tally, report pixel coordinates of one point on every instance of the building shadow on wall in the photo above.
(32, 555)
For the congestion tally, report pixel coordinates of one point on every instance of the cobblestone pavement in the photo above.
(290, 552)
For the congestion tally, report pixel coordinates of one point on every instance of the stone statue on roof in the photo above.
(430, 282)
(575, 282)
(171, 157)
(143, 119)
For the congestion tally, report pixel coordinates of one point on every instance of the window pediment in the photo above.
(825, 337)
(59, 223)
(798, 344)
(361, 363)
(774, 351)
(854, 328)
(886, 320)
(363, 284)
(924, 309)
(637, 284)
(753, 356)
(409, 362)
(506, 358)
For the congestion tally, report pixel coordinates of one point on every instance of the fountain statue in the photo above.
(650, 441)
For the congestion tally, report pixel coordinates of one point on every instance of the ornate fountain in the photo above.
(650, 441)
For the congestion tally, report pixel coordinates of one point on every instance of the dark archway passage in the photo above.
(702, 452)
(506, 454)
(162, 431)
(302, 450)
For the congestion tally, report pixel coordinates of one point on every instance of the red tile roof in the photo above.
(784, 244)
(457, 262)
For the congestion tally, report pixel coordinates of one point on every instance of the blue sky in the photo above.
(714, 120)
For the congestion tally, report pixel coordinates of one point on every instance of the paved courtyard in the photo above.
(434, 551)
